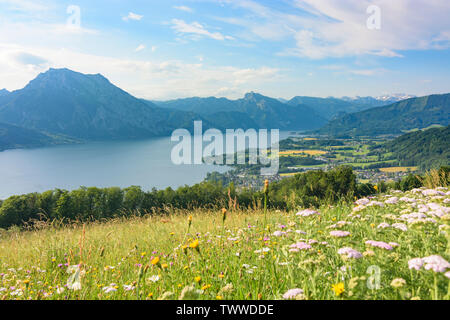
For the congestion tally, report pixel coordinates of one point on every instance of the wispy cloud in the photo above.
(132, 16)
(329, 28)
(184, 8)
(197, 30)
(140, 48)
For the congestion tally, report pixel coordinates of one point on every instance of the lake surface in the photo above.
(145, 163)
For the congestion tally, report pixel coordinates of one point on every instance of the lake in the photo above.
(144, 163)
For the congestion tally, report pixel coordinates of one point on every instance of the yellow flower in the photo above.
(205, 287)
(219, 297)
(150, 295)
(164, 265)
(338, 288)
(221, 276)
(27, 281)
(198, 279)
(194, 244)
(155, 261)
(375, 187)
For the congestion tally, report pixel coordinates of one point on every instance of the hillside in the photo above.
(61, 101)
(393, 119)
(252, 111)
(328, 108)
(426, 149)
(12, 137)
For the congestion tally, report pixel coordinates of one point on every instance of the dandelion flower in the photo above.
(338, 288)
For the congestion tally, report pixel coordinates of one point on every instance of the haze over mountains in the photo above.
(63, 106)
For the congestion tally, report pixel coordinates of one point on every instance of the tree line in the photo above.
(310, 189)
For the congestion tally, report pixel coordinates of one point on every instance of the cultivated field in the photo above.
(391, 247)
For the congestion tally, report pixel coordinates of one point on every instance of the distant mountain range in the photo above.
(252, 111)
(396, 118)
(63, 106)
(379, 101)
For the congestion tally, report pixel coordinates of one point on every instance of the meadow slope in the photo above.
(387, 247)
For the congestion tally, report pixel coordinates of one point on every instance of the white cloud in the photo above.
(183, 8)
(142, 78)
(140, 48)
(197, 30)
(132, 16)
(330, 28)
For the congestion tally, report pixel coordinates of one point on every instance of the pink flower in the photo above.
(415, 263)
(400, 226)
(379, 244)
(300, 246)
(383, 225)
(339, 234)
(293, 294)
(436, 263)
(362, 202)
(350, 253)
(307, 213)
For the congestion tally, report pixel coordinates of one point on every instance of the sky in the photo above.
(164, 50)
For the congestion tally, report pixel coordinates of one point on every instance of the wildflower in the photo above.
(266, 186)
(206, 287)
(400, 226)
(415, 263)
(350, 253)
(338, 288)
(229, 288)
(155, 261)
(398, 283)
(110, 288)
(299, 246)
(436, 263)
(339, 234)
(194, 245)
(198, 279)
(154, 278)
(379, 244)
(60, 290)
(128, 287)
(294, 294)
(219, 298)
(307, 213)
(383, 225)
(279, 233)
(368, 253)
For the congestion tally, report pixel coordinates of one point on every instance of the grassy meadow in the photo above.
(390, 247)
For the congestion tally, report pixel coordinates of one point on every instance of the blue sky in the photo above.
(173, 49)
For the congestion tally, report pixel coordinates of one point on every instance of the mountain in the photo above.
(393, 119)
(252, 111)
(426, 149)
(88, 107)
(378, 101)
(328, 108)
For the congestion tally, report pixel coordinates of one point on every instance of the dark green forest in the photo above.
(425, 149)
